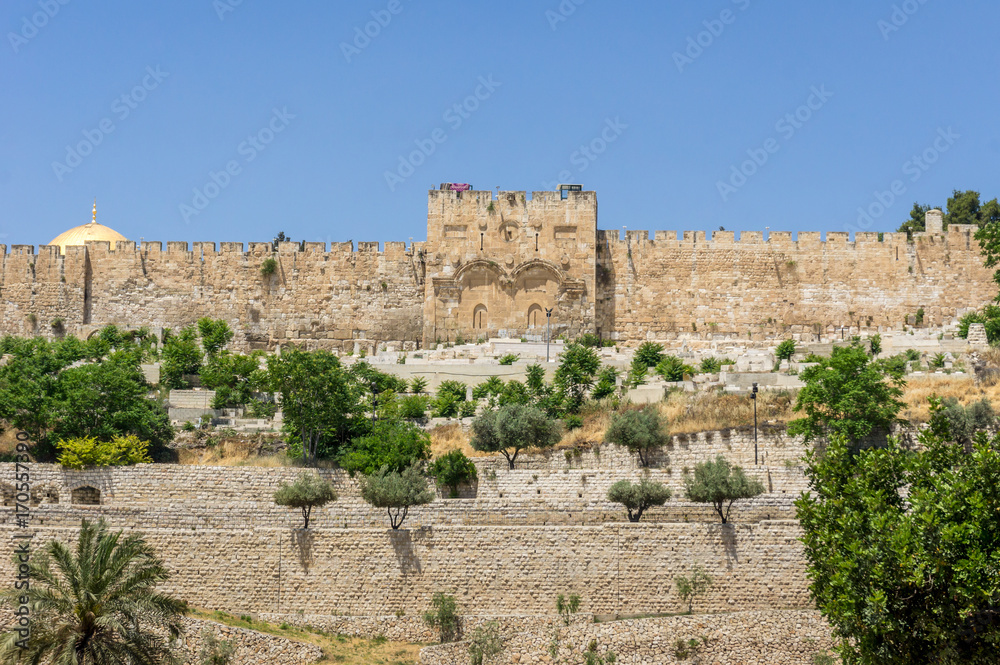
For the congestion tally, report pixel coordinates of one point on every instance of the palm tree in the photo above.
(98, 606)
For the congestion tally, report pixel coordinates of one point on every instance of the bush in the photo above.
(607, 383)
(268, 267)
(688, 588)
(466, 409)
(721, 485)
(649, 353)
(989, 316)
(572, 422)
(512, 428)
(639, 497)
(575, 375)
(485, 643)
(414, 407)
(639, 430)
(937, 362)
(445, 406)
(672, 368)
(393, 444)
(964, 421)
(396, 492)
(637, 373)
(785, 350)
(589, 340)
(710, 365)
(443, 616)
(418, 385)
(567, 606)
(213, 651)
(492, 386)
(509, 359)
(307, 492)
(81, 452)
(453, 469)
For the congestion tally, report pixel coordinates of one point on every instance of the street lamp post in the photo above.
(374, 398)
(753, 396)
(548, 330)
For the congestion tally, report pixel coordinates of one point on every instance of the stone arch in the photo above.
(480, 317)
(7, 492)
(44, 494)
(536, 315)
(536, 288)
(86, 496)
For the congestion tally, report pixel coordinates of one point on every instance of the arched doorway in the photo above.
(535, 316)
(479, 317)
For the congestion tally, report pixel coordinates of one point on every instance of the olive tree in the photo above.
(307, 492)
(639, 430)
(512, 428)
(396, 491)
(639, 497)
(721, 485)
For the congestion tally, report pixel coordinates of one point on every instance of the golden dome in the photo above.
(81, 234)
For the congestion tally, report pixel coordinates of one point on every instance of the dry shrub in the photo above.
(963, 388)
(690, 413)
(596, 418)
(445, 438)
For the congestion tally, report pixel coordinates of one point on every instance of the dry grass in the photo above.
(963, 388)
(690, 413)
(445, 438)
(336, 648)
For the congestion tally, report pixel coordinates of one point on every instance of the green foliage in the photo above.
(414, 407)
(916, 222)
(445, 406)
(181, 355)
(215, 335)
(965, 208)
(493, 386)
(512, 428)
(514, 392)
(710, 365)
(393, 444)
(466, 409)
(81, 452)
(672, 368)
(307, 492)
(591, 657)
(639, 497)
(443, 615)
(902, 547)
(589, 340)
(509, 359)
(268, 267)
(396, 492)
(937, 362)
(99, 602)
(640, 430)
(649, 354)
(535, 378)
(875, 345)
(636, 373)
(912, 355)
(453, 469)
(485, 643)
(575, 375)
(572, 422)
(234, 378)
(689, 588)
(785, 350)
(989, 316)
(418, 385)
(720, 485)
(849, 394)
(964, 421)
(215, 651)
(689, 649)
(566, 607)
(607, 383)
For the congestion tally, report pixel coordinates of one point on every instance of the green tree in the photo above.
(214, 651)
(181, 356)
(916, 222)
(848, 393)
(215, 335)
(964, 421)
(443, 615)
(636, 373)
(234, 378)
(638, 498)
(672, 368)
(902, 548)
(308, 491)
(391, 443)
(649, 354)
(418, 385)
(535, 379)
(97, 603)
(785, 350)
(575, 375)
(721, 485)
(640, 430)
(689, 588)
(989, 316)
(875, 345)
(485, 643)
(81, 452)
(607, 383)
(512, 428)
(396, 492)
(453, 469)
(319, 403)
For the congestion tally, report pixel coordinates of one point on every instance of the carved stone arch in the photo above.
(537, 285)
(536, 315)
(85, 495)
(535, 265)
(480, 317)
(479, 265)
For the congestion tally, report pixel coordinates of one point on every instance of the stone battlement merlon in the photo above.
(776, 239)
(208, 248)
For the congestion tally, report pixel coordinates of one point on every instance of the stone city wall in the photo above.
(616, 568)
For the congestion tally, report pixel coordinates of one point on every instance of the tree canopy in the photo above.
(396, 492)
(512, 428)
(395, 444)
(639, 497)
(721, 485)
(307, 492)
(640, 430)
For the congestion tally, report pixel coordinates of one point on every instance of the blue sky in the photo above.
(234, 119)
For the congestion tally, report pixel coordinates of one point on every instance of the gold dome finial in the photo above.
(94, 219)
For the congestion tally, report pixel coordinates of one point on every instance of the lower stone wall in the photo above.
(251, 647)
(739, 638)
(615, 568)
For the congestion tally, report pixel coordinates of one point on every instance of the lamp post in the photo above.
(548, 330)
(374, 398)
(753, 396)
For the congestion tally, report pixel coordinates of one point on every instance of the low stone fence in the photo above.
(251, 647)
(773, 637)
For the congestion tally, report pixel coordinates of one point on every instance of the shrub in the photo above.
(396, 492)
(575, 374)
(509, 359)
(688, 588)
(443, 615)
(414, 407)
(672, 368)
(589, 340)
(639, 430)
(567, 606)
(937, 362)
(721, 485)
(418, 385)
(606, 385)
(485, 643)
(649, 353)
(637, 373)
(466, 409)
(785, 350)
(492, 386)
(572, 422)
(391, 443)
(639, 497)
(453, 469)
(307, 492)
(964, 421)
(445, 406)
(81, 452)
(989, 316)
(215, 651)
(512, 428)
(710, 365)
(268, 267)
